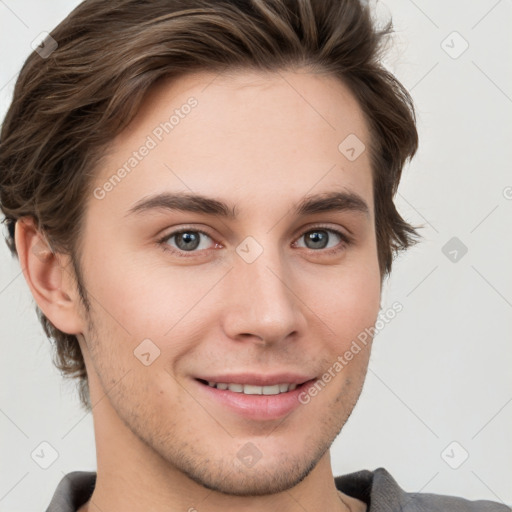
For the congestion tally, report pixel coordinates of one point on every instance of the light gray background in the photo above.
(440, 371)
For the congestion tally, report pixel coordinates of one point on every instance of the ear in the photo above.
(50, 278)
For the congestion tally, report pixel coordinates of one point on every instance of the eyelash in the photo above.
(162, 242)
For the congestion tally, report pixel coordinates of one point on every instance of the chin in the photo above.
(259, 480)
(276, 473)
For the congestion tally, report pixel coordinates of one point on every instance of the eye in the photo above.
(323, 238)
(194, 241)
(186, 240)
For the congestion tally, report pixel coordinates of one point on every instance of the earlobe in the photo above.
(49, 276)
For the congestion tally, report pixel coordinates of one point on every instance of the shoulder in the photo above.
(73, 491)
(379, 490)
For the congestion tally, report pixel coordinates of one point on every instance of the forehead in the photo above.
(245, 132)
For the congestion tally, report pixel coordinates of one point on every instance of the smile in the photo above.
(254, 401)
(250, 389)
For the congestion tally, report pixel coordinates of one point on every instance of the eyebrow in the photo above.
(319, 203)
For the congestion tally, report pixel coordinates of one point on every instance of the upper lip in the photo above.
(258, 379)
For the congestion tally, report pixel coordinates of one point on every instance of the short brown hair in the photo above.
(68, 107)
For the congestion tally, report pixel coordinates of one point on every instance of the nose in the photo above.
(260, 303)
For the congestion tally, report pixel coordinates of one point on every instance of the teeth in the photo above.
(249, 389)
(271, 390)
(252, 390)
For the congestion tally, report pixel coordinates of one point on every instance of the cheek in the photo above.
(144, 298)
(348, 298)
(141, 298)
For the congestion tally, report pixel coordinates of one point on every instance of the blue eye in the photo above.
(321, 238)
(194, 242)
(187, 240)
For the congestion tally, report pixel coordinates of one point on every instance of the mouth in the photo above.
(255, 401)
(253, 389)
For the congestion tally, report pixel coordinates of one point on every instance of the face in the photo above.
(265, 278)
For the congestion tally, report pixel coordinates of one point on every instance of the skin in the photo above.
(260, 141)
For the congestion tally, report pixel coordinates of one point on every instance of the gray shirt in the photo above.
(376, 488)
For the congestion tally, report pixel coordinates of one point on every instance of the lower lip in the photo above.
(256, 407)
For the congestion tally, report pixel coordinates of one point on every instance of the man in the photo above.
(200, 197)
